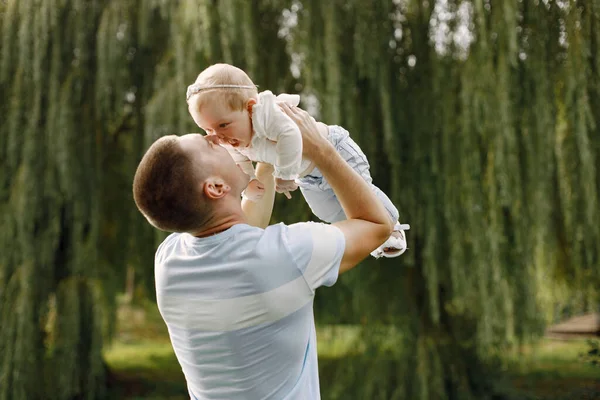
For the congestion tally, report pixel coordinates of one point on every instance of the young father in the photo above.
(236, 295)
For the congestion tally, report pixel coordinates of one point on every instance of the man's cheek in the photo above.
(245, 174)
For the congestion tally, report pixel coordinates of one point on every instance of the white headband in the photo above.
(197, 88)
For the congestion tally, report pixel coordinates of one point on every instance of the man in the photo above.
(238, 299)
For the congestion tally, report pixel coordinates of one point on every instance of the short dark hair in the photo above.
(165, 190)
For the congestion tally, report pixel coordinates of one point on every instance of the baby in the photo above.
(225, 102)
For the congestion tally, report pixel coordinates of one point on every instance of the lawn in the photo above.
(554, 370)
(143, 365)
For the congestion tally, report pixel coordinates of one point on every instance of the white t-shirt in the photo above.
(239, 308)
(276, 139)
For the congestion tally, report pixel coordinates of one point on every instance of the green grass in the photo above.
(553, 369)
(141, 359)
(145, 370)
(143, 366)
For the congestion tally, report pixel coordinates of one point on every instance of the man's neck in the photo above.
(220, 224)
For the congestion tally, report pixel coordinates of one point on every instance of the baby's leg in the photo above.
(354, 156)
(317, 191)
(324, 203)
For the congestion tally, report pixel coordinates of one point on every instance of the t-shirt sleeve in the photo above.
(317, 249)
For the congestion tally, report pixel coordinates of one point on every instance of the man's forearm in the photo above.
(368, 224)
(353, 192)
(259, 213)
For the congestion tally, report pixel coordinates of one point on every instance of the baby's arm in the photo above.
(259, 212)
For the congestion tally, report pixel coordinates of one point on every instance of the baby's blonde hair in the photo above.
(203, 90)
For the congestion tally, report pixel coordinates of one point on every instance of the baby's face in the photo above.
(232, 127)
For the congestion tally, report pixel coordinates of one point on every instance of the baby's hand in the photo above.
(285, 186)
(255, 190)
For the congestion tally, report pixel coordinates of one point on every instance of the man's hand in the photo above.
(285, 186)
(255, 190)
(314, 134)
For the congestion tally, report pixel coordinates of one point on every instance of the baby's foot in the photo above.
(392, 249)
(395, 245)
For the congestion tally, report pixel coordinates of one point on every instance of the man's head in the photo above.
(224, 111)
(182, 183)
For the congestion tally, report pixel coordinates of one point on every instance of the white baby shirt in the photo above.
(276, 139)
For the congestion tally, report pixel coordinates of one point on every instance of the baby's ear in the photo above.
(249, 104)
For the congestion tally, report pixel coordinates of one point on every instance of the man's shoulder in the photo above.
(274, 242)
(303, 236)
(299, 227)
(167, 243)
(239, 235)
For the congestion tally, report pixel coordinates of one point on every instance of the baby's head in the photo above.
(220, 102)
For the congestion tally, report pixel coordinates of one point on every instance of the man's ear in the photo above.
(249, 104)
(215, 188)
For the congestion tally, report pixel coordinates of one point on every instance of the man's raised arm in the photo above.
(368, 224)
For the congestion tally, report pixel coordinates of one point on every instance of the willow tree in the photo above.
(89, 84)
(478, 119)
(482, 120)
(49, 202)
